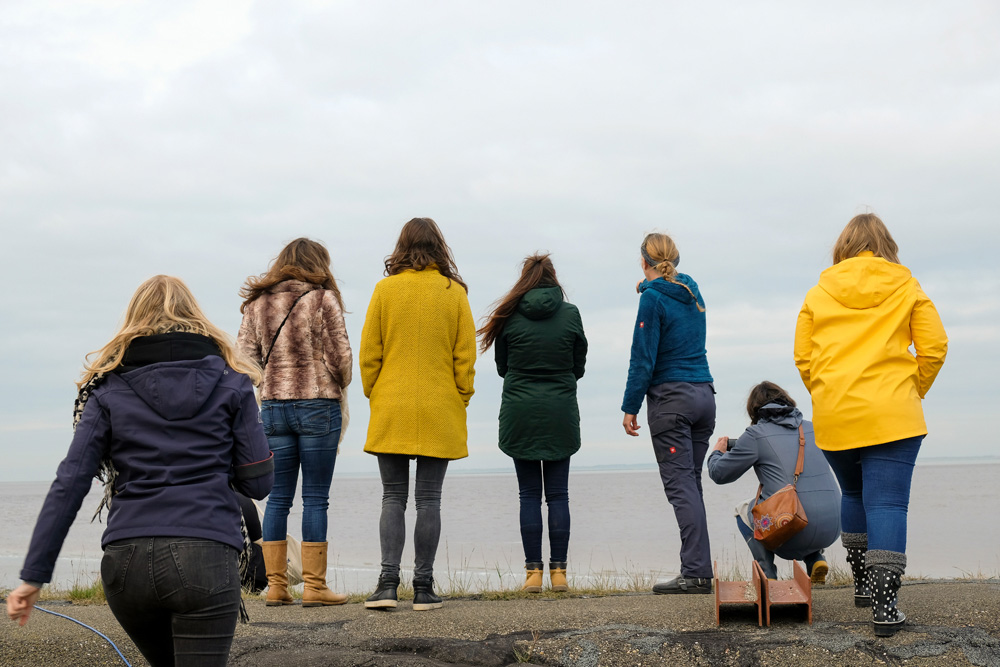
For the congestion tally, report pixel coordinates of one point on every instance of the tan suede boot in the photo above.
(315, 593)
(276, 564)
(533, 580)
(557, 575)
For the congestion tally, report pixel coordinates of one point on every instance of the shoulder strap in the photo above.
(280, 326)
(802, 453)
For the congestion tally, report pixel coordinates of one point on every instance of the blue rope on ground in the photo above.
(98, 632)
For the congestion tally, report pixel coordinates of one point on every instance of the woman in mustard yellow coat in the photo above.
(852, 345)
(417, 358)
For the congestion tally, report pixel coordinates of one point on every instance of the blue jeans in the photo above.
(552, 477)
(303, 433)
(875, 482)
(176, 597)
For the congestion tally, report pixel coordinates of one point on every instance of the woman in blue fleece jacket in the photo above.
(169, 421)
(669, 366)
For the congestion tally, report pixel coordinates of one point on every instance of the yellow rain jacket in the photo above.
(417, 359)
(852, 345)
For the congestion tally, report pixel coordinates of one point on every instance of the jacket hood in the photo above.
(783, 415)
(864, 281)
(672, 289)
(540, 303)
(173, 373)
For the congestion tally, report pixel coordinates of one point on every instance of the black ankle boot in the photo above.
(862, 589)
(384, 596)
(887, 620)
(423, 595)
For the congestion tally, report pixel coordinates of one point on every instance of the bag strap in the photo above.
(280, 326)
(799, 464)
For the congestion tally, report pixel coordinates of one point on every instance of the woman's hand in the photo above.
(21, 601)
(631, 425)
(722, 444)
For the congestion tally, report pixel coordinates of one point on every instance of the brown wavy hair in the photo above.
(536, 271)
(764, 393)
(302, 259)
(663, 251)
(420, 245)
(164, 304)
(865, 232)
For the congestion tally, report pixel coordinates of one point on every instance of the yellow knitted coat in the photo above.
(417, 359)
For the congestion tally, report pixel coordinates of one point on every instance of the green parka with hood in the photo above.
(540, 354)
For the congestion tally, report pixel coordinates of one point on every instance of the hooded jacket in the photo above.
(540, 354)
(668, 343)
(852, 343)
(771, 448)
(179, 426)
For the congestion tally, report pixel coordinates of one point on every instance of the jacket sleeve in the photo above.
(370, 354)
(729, 467)
(247, 339)
(579, 347)
(464, 354)
(337, 355)
(73, 481)
(929, 341)
(500, 354)
(253, 464)
(804, 344)
(645, 343)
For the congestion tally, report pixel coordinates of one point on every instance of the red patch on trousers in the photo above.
(673, 450)
(641, 324)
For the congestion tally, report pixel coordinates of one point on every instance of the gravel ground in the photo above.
(951, 623)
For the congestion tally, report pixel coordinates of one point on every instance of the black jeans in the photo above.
(178, 598)
(395, 472)
(552, 477)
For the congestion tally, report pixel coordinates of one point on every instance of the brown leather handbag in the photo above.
(781, 516)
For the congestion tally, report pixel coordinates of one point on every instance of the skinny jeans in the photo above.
(875, 482)
(681, 417)
(395, 472)
(177, 598)
(302, 434)
(533, 479)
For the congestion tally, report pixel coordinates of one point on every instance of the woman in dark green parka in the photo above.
(540, 351)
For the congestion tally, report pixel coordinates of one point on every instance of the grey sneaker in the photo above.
(681, 585)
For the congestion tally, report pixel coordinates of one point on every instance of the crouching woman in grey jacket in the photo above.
(771, 447)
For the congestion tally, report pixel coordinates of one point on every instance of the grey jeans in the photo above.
(681, 419)
(395, 472)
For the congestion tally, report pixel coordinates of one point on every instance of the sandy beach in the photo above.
(952, 623)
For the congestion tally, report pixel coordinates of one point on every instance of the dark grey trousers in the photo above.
(395, 472)
(681, 419)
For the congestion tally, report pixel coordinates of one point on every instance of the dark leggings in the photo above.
(552, 477)
(177, 598)
(395, 472)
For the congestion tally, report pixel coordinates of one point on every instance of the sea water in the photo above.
(623, 530)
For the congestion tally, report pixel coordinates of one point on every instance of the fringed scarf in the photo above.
(108, 475)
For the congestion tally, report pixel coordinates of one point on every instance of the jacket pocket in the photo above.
(114, 567)
(204, 566)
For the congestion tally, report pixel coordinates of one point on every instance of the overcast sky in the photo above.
(195, 139)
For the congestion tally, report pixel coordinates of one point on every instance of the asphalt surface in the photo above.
(950, 623)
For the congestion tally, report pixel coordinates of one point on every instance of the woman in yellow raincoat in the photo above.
(852, 349)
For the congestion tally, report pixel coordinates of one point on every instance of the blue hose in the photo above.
(101, 634)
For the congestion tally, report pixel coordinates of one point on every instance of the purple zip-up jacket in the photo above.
(178, 431)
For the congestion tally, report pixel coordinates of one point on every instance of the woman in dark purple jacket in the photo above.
(169, 421)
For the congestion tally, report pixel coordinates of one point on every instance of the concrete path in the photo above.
(952, 623)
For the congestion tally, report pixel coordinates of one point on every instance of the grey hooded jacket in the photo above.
(771, 448)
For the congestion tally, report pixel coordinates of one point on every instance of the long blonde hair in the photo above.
(160, 305)
(865, 232)
(663, 251)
